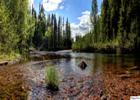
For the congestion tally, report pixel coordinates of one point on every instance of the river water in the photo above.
(97, 65)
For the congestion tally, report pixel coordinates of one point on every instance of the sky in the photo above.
(77, 11)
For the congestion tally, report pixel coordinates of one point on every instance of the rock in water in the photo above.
(82, 65)
(103, 97)
(134, 68)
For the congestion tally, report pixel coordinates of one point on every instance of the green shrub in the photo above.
(51, 79)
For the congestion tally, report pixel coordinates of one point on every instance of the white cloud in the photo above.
(55, 1)
(61, 7)
(83, 26)
(51, 5)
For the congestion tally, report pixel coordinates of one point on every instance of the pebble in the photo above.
(104, 97)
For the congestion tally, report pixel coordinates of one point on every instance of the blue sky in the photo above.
(77, 11)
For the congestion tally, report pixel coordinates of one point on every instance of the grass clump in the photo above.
(51, 79)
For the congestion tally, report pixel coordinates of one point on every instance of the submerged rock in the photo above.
(104, 97)
(134, 68)
(52, 87)
(82, 65)
(124, 76)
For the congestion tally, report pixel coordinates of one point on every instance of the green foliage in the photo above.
(7, 35)
(93, 17)
(9, 56)
(105, 20)
(21, 28)
(117, 27)
(19, 12)
(40, 27)
(13, 26)
(16, 28)
(51, 78)
(50, 33)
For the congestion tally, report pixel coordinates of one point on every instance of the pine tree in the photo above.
(63, 33)
(40, 29)
(55, 31)
(32, 26)
(69, 41)
(93, 17)
(114, 17)
(105, 20)
(59, 32)
(49, 32)
(122, 24)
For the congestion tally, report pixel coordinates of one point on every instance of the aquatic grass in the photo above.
(51, 79)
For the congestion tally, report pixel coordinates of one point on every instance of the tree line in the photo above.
(115, 29)
(50, 33)
(15, 23)
(22, 28)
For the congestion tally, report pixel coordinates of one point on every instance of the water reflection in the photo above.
(97, 63)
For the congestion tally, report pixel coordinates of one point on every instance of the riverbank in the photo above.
(47, 55)
(107, 50)
(122, 84)
(11, 56)
(11, 62)
(110, 47)
(12, 84)
(10, 59)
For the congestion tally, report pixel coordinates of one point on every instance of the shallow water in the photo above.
(96, 65)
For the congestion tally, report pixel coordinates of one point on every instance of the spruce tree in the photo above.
(105, 20)
(93, 17)
(55, 31)
(40, 29)
(59, 33)
(122, 24)
(114, 17)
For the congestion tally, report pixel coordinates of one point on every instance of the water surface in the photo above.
(97, 65)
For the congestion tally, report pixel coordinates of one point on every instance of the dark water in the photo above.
(96, 63)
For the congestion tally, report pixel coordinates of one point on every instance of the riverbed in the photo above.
(100, 80)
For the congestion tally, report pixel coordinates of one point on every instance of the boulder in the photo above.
(82, 65)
